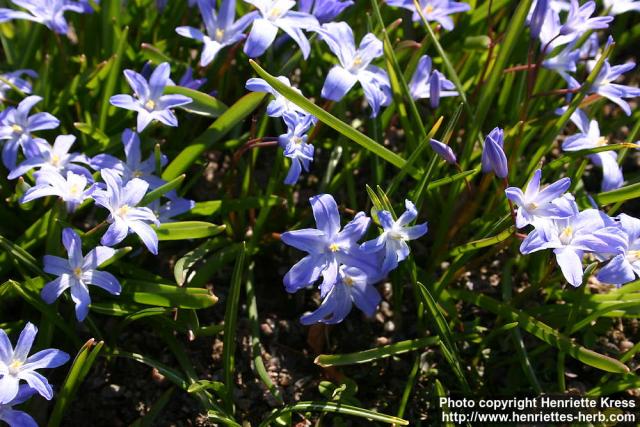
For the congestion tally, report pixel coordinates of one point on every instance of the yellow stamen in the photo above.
(55, 160)
(428, 9)
(275, 13)
(348, 281)
(334, 247)
(137, 174)
(77, 272)
(123, 211)
(219, 34)
(566, 235)
(15, 366)
(602, 141)
(296, 140)
(150, 105)
(17, 128)
(74, 190)
(633, 255)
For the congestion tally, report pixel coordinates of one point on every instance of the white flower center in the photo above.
(219, 35)
(397, 235)
(77, 272)
(633, 256)
(74, 190)
(55, 160)
(123, 211)
(567, 235)
(356, 64)
(296, 140)
(16, 128)
(14, 367)
(275, 13)
(532, 206)
(602, 141)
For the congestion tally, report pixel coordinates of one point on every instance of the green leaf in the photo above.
(223, 207)
(223, 125)
(78, 372)
(113, 78)
(184, 265)
(542, 331)
(185, 230)
(160, 295)
(93, 132)
(203, 104)
(621, 194)
(449, 348)
(171, 374)
(366, 356)
(332, 121)
(332, 407)
(162, 190)
(230, 321)
(483, 243)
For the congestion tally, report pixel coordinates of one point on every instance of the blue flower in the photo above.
(294, 144)
(72, 189)
(535, 206)
(274, 15)
(355, 66)
(56, 158)
(617, 7)
(134, 166)
(150, 103)
(16, 127)
(16, 79)
(493, 157)
(173, 207)
(77, 272)
(327, 246)
(86, 5)
(353, 287)
(589, 231)
(537, 16)
(221, 30)
(426, 83)
(393, 240)
(17, 365)
(623, 267)
(125, 215)
(444, 151)
(189, 82)
(324, 10)
(614, 92)
(46, 12)
(579, 21)
(433, 10)
(589, 137)
(564, 63)
(280, 105)
(14, 417)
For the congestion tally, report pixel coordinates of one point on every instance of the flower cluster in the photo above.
(59, 172)
(348, 269)
(562, 49)
(559, 225)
